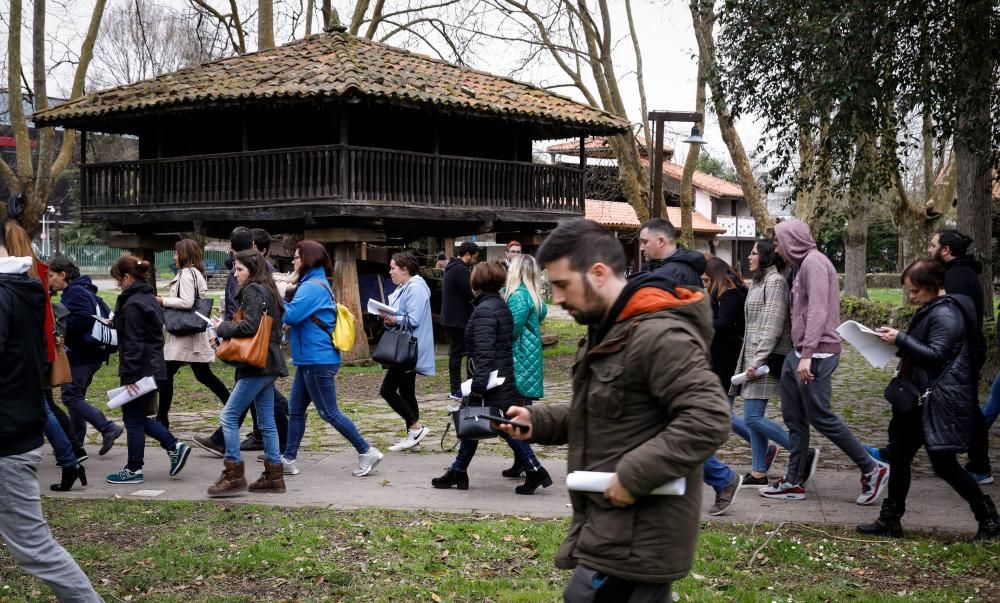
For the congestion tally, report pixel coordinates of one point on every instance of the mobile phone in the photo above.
(514, 424)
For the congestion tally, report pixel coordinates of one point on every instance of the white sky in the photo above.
(665, 33)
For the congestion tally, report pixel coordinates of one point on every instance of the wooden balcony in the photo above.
(336, 181)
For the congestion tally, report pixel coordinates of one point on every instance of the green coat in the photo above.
(528, 370)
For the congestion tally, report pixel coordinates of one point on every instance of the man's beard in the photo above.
(594, 310)
(938, 257)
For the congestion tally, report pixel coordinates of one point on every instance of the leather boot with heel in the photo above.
(69, 477)
(452, 478)
(271, 480)
(887, 523)
(515, 470)
(232, 480)
(989, 521)
(532, 479)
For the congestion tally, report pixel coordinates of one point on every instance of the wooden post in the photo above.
(583, 174)
(449, 247)
(345, 287)
(658, 170)
(244, 192)
(344, 154)
(148, 254)
(84, 191)
(436, 163)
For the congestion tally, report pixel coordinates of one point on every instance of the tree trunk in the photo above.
(856, 245)
(640, 80)
(265, 24)
(691, 161)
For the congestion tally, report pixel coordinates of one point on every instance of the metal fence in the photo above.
(98, 259)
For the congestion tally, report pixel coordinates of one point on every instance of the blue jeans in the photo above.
(81, 412)
(717, 474)
(522, 453)
(317, 383)
(58, 439)
(992, 408)
(762, 431)
(258, 391)
(739, 425)
(138, 426)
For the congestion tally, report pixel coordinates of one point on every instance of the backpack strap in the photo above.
(313, 318)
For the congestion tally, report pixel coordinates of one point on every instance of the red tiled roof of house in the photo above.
(613, 214)
(699, 223)
(717, 187)
(599, 147)
(329, 65)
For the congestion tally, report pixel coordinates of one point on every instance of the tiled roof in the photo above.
(613, 214)
(599, 147)
(717, 187)
(332, 65)
(699, 223)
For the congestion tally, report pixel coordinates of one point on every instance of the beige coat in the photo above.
(768, 326)
(187, 348)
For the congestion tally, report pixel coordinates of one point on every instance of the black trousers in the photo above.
(456, 352)
(202, 372)
(906, 436)
(399, 389)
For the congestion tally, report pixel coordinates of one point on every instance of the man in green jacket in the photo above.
(646, 407)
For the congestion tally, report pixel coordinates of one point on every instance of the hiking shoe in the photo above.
(784, 491)
(724, 498)
(983, 479)
(750, 480)
(367, 462)
(125, 476)
(108, 439)
(210, 446)
(770, 457)
(873, 452)
(289, 466)
(413, 438)
(873, 483)
(251, 444)
(812, 460)
(178, 456)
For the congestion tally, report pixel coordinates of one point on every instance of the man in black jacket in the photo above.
(456, 307)
(22, 356)
(658, 243)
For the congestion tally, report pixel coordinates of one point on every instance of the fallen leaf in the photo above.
(388, 538)
(445, 554)
(436, 598)
(319, 580)
(508, 538)
(475, 536)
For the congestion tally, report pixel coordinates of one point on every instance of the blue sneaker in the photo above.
(125, 476)
(874, 453)
(178, 456)
(983, 479)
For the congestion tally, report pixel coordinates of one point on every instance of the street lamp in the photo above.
(695, 137)
(658, 118)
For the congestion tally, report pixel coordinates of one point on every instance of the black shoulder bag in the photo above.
(186, 322)
(397, 348)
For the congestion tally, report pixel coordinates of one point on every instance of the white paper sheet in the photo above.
(877, 352)
(741, 378)
(494, 381)
(203, 317)
(121, 395)
(597, 481)
(377, 307)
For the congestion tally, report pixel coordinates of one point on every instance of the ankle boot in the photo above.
(516, 470)
(534, 478)
(989, 521)
(69, 477)
(232, 480)
(887, 523)
(452, 478)
(271, 480)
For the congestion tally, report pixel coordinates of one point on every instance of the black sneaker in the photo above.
(210, 445)
(750, 480)
(251, 443)
(108, 439)
(812, 459)
(770, 457)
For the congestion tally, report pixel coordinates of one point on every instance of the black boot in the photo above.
(989, 521)
(69, 477)
(452, 478)
(516, 470)
(887, 523)
(533, 479)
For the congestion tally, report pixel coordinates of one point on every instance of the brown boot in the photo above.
(231, 481)
(271, 480)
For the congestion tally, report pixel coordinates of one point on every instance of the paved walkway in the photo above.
(402, 481)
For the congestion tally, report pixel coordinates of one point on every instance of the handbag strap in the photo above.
(453, 446)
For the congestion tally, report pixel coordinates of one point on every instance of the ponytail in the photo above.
(138, 269)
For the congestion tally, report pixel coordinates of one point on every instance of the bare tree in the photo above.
(691, 161)
(265, 24)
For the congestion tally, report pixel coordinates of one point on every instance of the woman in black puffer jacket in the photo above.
(489, 340)
(934, 354)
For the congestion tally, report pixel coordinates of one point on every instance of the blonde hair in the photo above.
(524, 271)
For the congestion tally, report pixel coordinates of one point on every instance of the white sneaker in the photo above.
(367, 462)
(290, 466)
(412, 439)
(873, 484)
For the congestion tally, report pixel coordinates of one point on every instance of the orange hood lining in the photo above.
(654, 299)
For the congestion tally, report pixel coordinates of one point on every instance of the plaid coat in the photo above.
(768, 330)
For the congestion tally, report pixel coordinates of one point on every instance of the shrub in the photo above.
(875, 314)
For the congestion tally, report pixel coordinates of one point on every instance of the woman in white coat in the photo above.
(194, 350)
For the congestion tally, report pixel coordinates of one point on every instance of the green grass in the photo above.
(186, 551)
(893, 296)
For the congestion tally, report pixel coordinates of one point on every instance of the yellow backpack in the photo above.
(343, 332)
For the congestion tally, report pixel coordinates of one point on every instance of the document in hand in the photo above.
(877, 352)
(121, 395)
(494, 381)
(376, 307)
(597, 481)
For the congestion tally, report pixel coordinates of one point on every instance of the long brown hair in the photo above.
(19, 245)
(257, 267)
(313, 255)
(189, 255)
(721, 277)
(129, 265)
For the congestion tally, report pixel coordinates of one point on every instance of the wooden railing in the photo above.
(335, 172)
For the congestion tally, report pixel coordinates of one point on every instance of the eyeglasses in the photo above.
(515, 251)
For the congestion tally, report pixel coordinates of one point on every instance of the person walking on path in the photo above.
(86, 355)
(658, 244)
(456, 308)
(522, 292)
(766, 342)
(490, 339)
(646, 408)
(412, 304)
(311, 316)
(23, 357)
(807, 375)
(935, 357)
(257, 297)
(139, 322)
(193, 350)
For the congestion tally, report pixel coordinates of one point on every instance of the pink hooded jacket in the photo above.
(815, 293)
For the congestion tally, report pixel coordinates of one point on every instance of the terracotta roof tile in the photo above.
(613, 214)
(598, 146)
(699, 223)
(333, 65)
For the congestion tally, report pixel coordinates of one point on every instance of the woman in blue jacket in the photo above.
(412, 303)
(311, 316)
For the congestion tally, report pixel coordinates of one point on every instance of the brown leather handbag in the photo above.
(248, 350)
(59, 373)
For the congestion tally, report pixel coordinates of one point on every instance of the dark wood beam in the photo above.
(658, 118)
